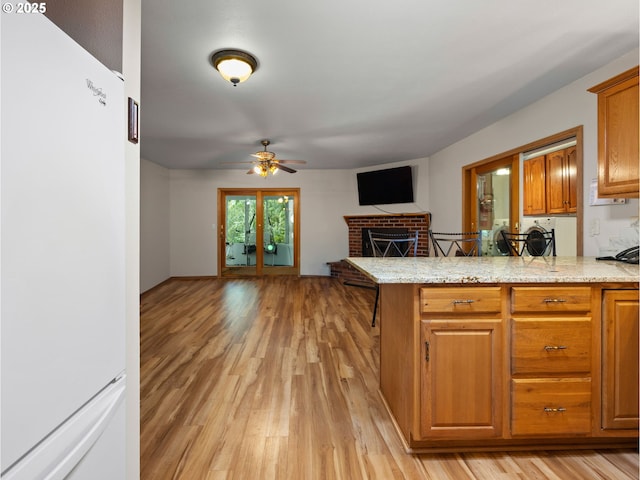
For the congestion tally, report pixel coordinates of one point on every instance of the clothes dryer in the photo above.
(543, 225)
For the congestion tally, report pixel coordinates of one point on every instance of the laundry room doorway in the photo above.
(549, 174)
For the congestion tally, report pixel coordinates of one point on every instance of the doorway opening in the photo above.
(491, 191)
(492, 203)
(259, 232)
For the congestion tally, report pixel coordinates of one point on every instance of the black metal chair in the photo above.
(394, 244)
(391, 245)
(459, 244)
(534, 243)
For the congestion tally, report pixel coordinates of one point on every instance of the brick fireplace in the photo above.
(356, 223)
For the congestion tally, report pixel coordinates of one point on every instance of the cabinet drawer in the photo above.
(460, 300)
(551, 406)
(550, 299)
(551, 346)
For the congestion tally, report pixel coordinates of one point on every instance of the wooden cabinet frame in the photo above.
(408, 387)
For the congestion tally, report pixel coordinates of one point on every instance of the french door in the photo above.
(258, 232)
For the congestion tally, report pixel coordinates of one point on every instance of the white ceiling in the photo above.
(354, 83)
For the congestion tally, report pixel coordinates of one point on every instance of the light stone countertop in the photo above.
(495, 270)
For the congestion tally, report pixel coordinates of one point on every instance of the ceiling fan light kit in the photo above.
(235, 66)
(267, 163)
(264, 169)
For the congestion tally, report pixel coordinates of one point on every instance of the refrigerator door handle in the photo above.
(64, 448)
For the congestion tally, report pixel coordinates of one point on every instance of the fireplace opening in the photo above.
(367, 249)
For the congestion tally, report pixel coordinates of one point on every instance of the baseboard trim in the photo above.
(192, 278)
(188, 278)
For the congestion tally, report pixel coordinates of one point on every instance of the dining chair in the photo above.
(534, 243)
(394, 244)
(391, 245)
(459, 244)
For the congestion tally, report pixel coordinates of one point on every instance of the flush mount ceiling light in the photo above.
(235, 66)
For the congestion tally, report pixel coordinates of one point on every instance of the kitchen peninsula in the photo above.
(497, 353)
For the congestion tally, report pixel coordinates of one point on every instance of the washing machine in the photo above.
(533, 225)
(498, 246)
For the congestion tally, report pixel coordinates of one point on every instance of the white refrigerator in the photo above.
(62, 257)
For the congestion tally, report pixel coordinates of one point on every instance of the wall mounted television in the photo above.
(383, 187)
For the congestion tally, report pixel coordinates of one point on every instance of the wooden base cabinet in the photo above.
(551, 360)
(461, 375)
(500, 367)
(461, 379)
(620, 360)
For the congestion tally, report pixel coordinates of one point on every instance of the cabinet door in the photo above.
(461, 379)
(620, 359)
(571, 175)
(560, 181)
(534, 186)
(555, 182)
(618, 172)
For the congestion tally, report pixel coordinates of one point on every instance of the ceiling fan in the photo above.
(268, 163)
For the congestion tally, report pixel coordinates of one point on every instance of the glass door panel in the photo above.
(241, 233)
(278, 231)
(493, 209)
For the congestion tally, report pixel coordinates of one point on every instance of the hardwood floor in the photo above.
(277, 378)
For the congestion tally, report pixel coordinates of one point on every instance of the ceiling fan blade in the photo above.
(250, 172)
(299, 162)
(286, 169)
(233, 163)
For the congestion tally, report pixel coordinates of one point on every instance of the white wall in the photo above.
(131, 70)
(154, 225)
(566, 108)
(326, 196)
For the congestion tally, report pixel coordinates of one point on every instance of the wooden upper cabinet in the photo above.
(561, 192)
(534, 186)
(618, 126)
(550, 183)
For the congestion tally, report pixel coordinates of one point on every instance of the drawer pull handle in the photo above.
(554, 410)
(554, 347)
(555, 300)
(462, 302)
